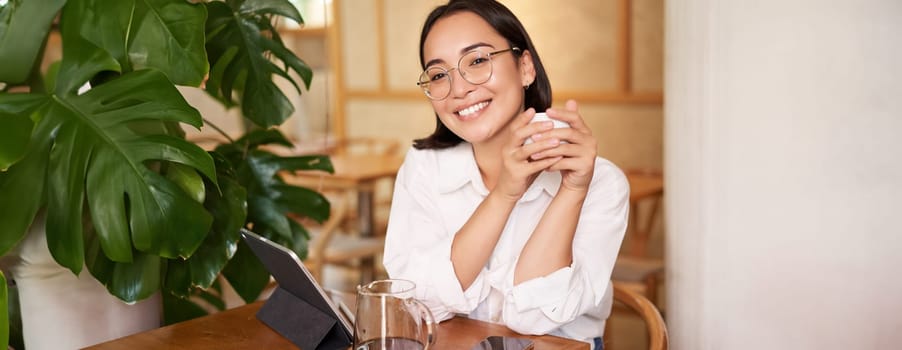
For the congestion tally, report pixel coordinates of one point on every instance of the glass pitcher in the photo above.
(389, 318)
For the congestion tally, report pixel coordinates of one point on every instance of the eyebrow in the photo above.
(462, 51)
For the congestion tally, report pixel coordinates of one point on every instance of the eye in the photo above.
(478, 61)
(437, 76)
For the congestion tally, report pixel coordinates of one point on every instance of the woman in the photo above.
(520, 234)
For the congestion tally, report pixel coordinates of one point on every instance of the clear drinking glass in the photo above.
(389, 318)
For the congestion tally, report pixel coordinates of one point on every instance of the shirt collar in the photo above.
(459, 167)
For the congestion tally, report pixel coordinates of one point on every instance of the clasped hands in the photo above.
(575, 158)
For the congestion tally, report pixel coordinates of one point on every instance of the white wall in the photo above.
(783, 159)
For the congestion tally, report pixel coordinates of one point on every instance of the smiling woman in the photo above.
(519, 234)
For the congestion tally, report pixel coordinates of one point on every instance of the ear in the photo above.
(527, 69)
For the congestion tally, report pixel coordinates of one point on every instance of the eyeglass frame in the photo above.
(489, 55)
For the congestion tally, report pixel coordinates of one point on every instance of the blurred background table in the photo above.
(356, 173)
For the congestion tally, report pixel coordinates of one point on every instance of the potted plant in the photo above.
(93, 147)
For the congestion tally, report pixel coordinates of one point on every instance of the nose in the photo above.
(460, 87)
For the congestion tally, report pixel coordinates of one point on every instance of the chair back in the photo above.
(634, 265)
(330, 245)
(654, 323)
(329, 228)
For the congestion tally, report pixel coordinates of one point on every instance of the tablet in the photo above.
(293, 277)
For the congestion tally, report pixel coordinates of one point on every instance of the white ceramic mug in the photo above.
(543, 117)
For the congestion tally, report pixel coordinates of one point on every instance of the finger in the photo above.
(533, 132)
(534, 129)
(524, 117)
(573, 118)
(576, 165)
(540, 146)
(528, 139)
(572, 136)
(541, 164)
(567, 150)
(571, 105)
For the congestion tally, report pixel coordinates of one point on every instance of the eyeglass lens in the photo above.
(475, 67)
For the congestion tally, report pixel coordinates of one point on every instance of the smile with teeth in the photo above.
(472, 109)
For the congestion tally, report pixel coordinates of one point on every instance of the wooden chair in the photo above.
(368, 145)
(330, 246)
(625, 297)
(639, 274)
(634, 268)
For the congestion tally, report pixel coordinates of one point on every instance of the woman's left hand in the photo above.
(578, 163)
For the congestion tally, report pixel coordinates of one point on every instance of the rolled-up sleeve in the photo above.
(418, 247)
(541, 305)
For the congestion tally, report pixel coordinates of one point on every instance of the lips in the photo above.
(472, 109)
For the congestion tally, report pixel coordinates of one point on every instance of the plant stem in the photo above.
(218, 129)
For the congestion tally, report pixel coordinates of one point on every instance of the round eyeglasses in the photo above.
(475, 67)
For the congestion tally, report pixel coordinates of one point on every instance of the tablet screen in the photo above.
(292, 276)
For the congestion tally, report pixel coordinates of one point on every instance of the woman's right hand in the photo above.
(518, 170)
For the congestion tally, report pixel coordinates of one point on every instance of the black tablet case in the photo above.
(297, 309)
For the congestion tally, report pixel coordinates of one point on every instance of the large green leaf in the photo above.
(22, 185)
(82, 59)
(239, 51)
(269, 7)
(246, 273)
(177, 309)
(164, 34)
(96, 157)
(229, 209)
(16, 112)
(140, 206)
(269, 201)
(13, 138)
(24, 25)
(128, 281)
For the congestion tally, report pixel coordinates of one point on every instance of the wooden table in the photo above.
(238, 328)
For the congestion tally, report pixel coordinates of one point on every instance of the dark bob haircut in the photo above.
(538, 94)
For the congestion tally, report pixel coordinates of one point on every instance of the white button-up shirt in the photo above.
(437, 191)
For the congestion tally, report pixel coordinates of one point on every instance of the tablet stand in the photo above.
(302, 323)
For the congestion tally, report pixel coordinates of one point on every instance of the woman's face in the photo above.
(476, 113)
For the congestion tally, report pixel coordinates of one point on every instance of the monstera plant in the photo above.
(95, 143)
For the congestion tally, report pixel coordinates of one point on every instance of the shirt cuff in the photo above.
(448, 289)
(543, 291)
(443, 283)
